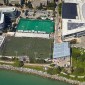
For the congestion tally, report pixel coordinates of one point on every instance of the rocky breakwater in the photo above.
(41, 73)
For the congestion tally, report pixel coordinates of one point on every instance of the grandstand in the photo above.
(35, 27)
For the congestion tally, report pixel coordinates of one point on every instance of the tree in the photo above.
(49, 71)
(41, 6)
(74, 41)
(48, 2)
(32, 59)
(6, 2)
(59, 8)
(18, 63)
(54, 71)
(17, 5)
(5, 58)
(51, 5)
(72, 69)
(29, 4)
(22, 2)
(79, 70)
(39, 18)
(40, 61)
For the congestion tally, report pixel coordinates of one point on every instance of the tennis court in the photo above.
(46, 26)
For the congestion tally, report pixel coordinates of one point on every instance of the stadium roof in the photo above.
(43, 26)
(1, 17)
(61, 50)
(69, 10)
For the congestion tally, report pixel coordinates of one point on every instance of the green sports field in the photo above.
(33, 47)
(46, 26)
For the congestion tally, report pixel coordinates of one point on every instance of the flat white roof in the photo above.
(61, 50)
(66, 31)
(83, 10)
(1, 17)
(72, 1)
(7, 9)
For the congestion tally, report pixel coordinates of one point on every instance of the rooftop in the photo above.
(73, 17)
(72, 26)
(83, 10)
(1, 17)
(61, 50)
(69, 10)
(7, 9)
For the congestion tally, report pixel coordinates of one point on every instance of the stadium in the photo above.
(73, 19)
(30, 40)
(30, 47)
(27, 40)
(34, 28)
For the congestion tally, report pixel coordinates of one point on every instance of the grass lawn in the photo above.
(6, 63)
(33, 47)
(60, 8)
(40, 68)
(78, 57)
(78, 61)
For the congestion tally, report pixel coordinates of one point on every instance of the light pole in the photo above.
(35, 53)
(16, 52)
(27, 49)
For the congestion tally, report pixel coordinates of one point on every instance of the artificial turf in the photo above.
(31, 47)
(46, 26)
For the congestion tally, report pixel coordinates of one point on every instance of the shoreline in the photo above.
(40, 73)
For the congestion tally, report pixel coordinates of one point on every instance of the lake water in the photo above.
(15, 78)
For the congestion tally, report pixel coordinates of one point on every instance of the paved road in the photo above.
(57, 35)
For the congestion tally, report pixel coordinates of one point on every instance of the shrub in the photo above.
(74, 41)
(32, 59)
(54, 71)
(52, 65)
(6, 58)
(78, 70)
(40, 61)
(18, 63)
(60, 8)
